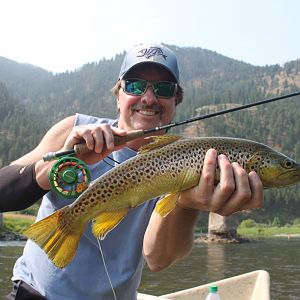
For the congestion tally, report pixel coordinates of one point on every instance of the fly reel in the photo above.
(69, 177)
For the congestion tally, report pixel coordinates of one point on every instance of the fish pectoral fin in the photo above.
(166, 204)
(159, 141)
(107, 221)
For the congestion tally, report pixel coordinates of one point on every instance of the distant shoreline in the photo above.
(287, 235)
(6, 236)
(14, 224)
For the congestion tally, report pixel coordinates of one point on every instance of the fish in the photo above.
(163, 168)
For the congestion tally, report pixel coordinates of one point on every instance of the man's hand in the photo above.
(236, 190)
(99, 139)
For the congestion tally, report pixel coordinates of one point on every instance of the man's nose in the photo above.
(149, 97)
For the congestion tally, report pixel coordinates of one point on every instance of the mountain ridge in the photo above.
(33, 99)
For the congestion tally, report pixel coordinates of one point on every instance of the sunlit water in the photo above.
(206, 263)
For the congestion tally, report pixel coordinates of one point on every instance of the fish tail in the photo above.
(58, 235)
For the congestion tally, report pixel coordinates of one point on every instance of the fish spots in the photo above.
(173, 166)
(79, 208)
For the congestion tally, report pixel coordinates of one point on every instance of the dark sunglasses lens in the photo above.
(135, 87)
(164, 89)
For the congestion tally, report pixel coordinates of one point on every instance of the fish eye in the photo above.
(287, 164)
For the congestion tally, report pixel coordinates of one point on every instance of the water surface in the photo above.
(206, 263)
(212, 262)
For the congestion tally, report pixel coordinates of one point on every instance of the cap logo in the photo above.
(152, 51)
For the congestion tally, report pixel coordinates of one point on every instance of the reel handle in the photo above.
(118, 140)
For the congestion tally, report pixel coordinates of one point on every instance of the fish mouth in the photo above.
(289, 177)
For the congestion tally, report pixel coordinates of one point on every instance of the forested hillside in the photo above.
(32, 99)
(20, 129)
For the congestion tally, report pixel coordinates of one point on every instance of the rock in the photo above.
(10, 236)
(230, 237)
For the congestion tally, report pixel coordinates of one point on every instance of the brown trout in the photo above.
(165, 167)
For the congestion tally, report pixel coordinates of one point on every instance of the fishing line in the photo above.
(115, 161)
(108, 163)
(105, 268)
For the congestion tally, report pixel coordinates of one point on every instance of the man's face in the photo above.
(148, 110)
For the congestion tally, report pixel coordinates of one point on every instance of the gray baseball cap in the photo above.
(150, 53)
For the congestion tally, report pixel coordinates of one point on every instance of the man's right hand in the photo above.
(99, 139)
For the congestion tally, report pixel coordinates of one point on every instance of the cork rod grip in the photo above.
(119, 140)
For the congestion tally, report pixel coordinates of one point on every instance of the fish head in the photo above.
(274, 169)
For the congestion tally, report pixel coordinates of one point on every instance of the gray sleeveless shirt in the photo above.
(85, 277)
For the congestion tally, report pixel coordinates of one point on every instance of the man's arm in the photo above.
(171, 238)
(16, 186)
(26, 180)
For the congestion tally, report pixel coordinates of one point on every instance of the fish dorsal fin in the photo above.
(159, 141)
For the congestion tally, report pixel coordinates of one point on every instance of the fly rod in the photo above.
(132, 135)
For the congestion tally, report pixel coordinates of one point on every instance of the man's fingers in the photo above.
(226, 186)
(241, 194)
(207, 179)
(96, 137)
(257, 191)
(248, 192)
(108, 137)
(98, 140)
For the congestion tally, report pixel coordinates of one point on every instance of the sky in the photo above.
(61, 35)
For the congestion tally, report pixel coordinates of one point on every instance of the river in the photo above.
(206, 263)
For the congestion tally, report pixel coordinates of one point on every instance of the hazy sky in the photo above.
(61, 35)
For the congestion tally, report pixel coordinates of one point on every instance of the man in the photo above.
(147, 94)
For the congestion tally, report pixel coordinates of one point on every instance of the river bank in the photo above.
(14, 224)
(11, 236)
(6, 236)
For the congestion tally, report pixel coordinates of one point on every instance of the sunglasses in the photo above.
(138, 87)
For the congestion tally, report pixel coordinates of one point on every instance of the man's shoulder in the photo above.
(83, 119)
